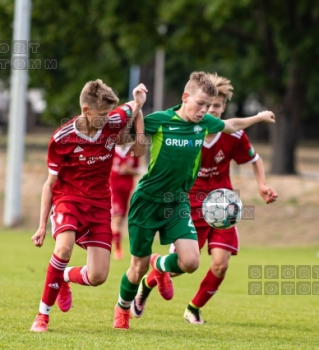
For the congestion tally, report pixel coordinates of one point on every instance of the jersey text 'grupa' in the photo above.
(175, 154)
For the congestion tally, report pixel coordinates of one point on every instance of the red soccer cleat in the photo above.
(121, 318)
(163, 279)
(64, 299)
(40, 323)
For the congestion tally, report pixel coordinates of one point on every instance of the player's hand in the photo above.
(38, 237)
(139, 94)
(267, 116)
(137, 149)
(268, 195)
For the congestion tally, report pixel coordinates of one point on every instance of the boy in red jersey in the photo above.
(124, 169)
(77, 189)
(217, 152)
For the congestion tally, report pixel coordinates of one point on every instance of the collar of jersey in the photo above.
(85, 137)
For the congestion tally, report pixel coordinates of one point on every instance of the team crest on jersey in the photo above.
(197, 129)
(219, 156)
(110, 142)
(81, 157)
(127, 110)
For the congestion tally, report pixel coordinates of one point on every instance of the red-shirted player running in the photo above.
(77, 193)
(124, 169)
(217, 152)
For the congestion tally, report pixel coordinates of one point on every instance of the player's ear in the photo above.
(185, 97)
(85, 109)
(224, 107)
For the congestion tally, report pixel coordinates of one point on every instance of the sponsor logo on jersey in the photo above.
(208, 172)
(78, 149)
(127, 110)
(219, 156)
(170, 128)
(94, 159)
(251, 152)
(183, 143)
(197, 129)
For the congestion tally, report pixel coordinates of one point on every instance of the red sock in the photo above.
(54, 279)
(79, 275)
(207, 289)
(117, 240)
(150, 279)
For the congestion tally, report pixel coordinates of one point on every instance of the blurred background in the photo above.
(268, 49)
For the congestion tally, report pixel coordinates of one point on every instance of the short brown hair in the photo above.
(201, 80)
(97, 95)
(223, 85)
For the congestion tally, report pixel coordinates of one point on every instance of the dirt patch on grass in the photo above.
(293, 220)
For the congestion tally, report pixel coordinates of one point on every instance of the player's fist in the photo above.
(137, 149)
(139, 94)
(267, 116)
(38, 237)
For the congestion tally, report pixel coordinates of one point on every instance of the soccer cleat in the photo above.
(121, 318)
(138, 304)
(64, 299)
(40, 323)
(192, 315)
(163, 279)
(118, 254)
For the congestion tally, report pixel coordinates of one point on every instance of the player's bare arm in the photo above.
(46, 203)
(268, 194)
(138, 148)
(234, 124)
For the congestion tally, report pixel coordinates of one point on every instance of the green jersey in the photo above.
(175, 154)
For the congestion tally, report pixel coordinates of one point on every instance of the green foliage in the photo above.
(235, 320)
(255, 43)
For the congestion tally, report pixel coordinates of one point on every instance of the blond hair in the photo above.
(97, 95)
(200, 80)
(223, 85)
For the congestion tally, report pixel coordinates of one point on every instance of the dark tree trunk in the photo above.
(285, 133)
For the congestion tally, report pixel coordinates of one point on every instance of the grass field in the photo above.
(235, 319)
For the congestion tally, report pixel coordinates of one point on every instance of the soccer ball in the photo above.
(222, 208)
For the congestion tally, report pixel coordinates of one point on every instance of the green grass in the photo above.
(235, 320)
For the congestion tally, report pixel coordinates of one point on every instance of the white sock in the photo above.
(66, 274)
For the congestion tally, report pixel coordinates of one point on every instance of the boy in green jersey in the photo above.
(160, 202)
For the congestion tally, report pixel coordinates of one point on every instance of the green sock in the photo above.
(168, 263)
(128, 292)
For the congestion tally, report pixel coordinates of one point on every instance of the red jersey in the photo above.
(83, 164)
(118, 181)
(214, 171)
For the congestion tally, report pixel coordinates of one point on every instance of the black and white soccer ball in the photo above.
(222, 208)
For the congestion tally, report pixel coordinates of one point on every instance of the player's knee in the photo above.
(219, 269)
(190, 265)
(63, 252)
(97, 279)
(136, 273)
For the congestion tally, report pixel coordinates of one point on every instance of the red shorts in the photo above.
(92, 225)
(224, 239)
(120, 202)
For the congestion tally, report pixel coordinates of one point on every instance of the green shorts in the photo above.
(145, 218)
